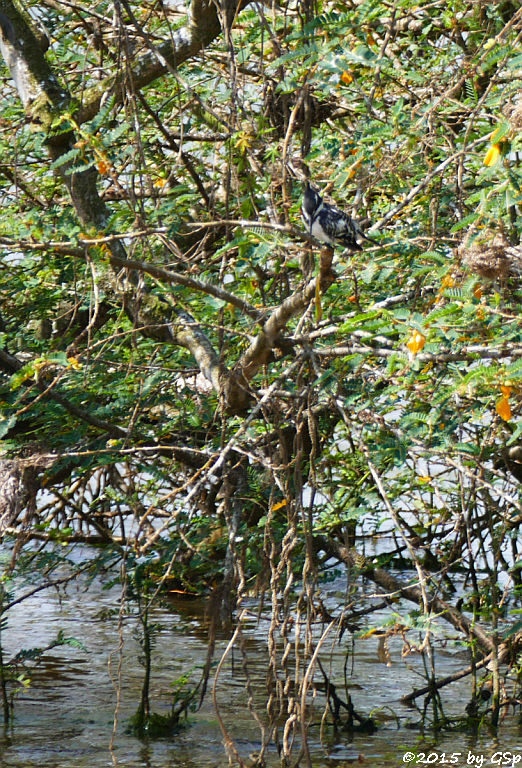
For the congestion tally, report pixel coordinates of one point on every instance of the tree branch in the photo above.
(23, 53)
(10, 364)
(135, 265)
(201, 29)
(186, 332)
(259, 351)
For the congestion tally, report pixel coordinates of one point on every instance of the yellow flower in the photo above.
(243, 141)
(103, 166)
(503, 408)
(448, 281)
(416, 342)
(492, 155)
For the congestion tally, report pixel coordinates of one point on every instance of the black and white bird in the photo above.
(329, 224)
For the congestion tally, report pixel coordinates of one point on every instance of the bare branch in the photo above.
(186, 332)
(259, 351)
(201, 29)
(135, 265)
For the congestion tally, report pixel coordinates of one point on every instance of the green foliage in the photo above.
(383, 410)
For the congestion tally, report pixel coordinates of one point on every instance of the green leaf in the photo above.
(465, 222)
(502, 129)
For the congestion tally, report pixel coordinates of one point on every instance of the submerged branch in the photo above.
(392, 585)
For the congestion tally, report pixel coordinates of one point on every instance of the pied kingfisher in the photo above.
(329, 224)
